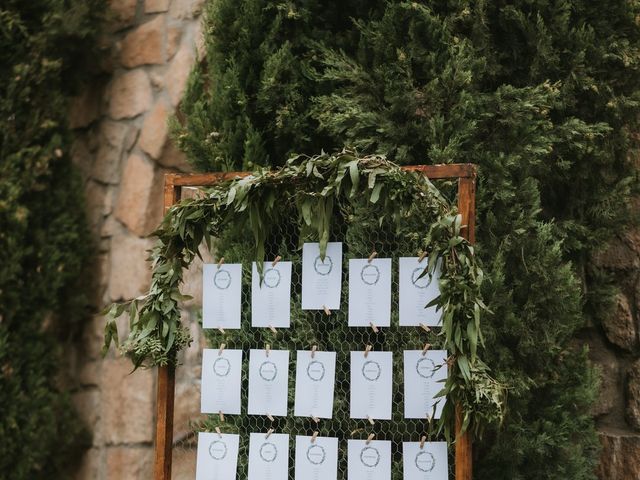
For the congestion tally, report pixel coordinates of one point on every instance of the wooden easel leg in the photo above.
(164, 432)
(463, 449)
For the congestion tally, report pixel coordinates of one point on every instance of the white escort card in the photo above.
(271, 298)
(317, 460)
(321, 279)
(221, 295)
(268, 382)
(315, 381)
(427, 463)
(369, 292)
(370, 461)
(217, 456)
(371, 385)
(221, 381)
(416, 292)
(423, 379)
(268, 456)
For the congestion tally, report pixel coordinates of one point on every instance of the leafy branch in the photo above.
(314, 187)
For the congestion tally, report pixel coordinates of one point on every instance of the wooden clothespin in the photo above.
(267, 349)
(221, 330)
(218, 432)
(373, 327)
(221, 416)
(422, 257)
(427, 346)
(269, 432)
(313, 351)
(276, 260)
(270, 417)
(220, 262)
(371, 421)
(367, 349)
(425, 328)
(273, 329)
(222, 347)
(314, 436)
(373, 255)
(315, 419)
(326, 310)
(369, 438)
(422, 440)
(450, 360)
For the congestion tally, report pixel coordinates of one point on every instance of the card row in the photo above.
(316, 458)
(371, 383)
(369, 290)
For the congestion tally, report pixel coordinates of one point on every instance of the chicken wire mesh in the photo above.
(361, 230)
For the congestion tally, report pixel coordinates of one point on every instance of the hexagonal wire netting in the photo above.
(361, 232)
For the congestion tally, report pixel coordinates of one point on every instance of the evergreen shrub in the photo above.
(542, 95)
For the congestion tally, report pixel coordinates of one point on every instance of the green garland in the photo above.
(314, 187)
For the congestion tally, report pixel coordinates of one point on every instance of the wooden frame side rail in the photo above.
(466, 174)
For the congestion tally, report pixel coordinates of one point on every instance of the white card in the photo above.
(268, 382)
(321, 279)
(423, 375)
(271, 301)
(371, 385)
(317, 460)
(315, 381)
(217, 456)
(221, 295)
(221, 381)
(416, 293)
(369, 462)
(369, 292)
(268, 457)
(427, 463)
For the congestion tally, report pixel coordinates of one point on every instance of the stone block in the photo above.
(124, 13)
(173, 158)
(81, 156)
(95, 195)
(129, 463)
(617, 256)
(174, 34)
(90, 465)
(178, 73)
(155, 6)
(609, 371)
(620, 327)
(130, 273)
(93, 337)
(130, 94)
(633, 395)
(186, 9)
(87, 404)
(139, 204)
(106, 168)
(184, 463)
(153, 135)
(144, 45)
(619, 457)
(127, 405)
(85, 108)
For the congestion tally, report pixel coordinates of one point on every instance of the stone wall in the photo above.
(615, 348)
(123, 151)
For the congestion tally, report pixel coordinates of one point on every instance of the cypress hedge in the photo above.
(44, 46)
(542, 95)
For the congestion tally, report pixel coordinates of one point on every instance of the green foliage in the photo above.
(542, 95)
(319, 192)
(43, 240)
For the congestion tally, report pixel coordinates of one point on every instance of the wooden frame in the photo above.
(466, 174)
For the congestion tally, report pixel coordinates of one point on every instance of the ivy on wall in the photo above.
(44, 46)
